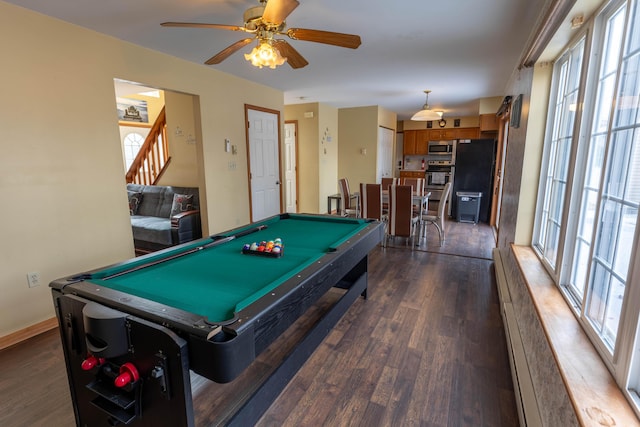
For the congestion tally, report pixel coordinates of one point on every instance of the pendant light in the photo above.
(426, 114)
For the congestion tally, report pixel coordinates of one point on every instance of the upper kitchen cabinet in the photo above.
(415, 142)
(455, 133)
(488, 123)
(409, 142)
(442, 134)
(422, 142)
(467, 133)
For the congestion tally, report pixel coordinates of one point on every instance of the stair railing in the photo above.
(153, 157)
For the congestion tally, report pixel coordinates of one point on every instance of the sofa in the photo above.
(163, 216)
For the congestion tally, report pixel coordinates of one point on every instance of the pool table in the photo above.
(206, 306)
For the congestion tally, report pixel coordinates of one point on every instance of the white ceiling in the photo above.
(462, 50)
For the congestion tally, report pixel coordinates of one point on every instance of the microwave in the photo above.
(440, 147)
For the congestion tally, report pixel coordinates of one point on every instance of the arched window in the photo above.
(132, 143)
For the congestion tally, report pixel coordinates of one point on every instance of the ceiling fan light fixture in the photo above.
(264, 22)
(427, 114)
(265, 55)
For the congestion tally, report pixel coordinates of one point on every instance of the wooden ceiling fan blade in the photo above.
(277, 11)
(294, 58)
(327, 37)
(202, 25)
(225, 53)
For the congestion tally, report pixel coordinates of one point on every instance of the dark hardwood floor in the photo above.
(426, 348)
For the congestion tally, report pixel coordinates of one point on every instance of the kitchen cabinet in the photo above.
(409, 142)
(488, 123)
(455, 133)
(415, 142)
(411, 174)
(468, 133)
(442, 134)
(422, 142)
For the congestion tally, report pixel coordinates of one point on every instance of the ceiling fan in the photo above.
(265, 22)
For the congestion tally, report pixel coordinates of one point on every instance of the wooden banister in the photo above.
(153, 157)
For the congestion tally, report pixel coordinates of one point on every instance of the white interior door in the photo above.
(290, 168)
(264, 161)
(384, 153)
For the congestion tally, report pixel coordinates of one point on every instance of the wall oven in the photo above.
(438, 173)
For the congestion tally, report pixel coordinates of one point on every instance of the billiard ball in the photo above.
(253, 246)
(276, 250)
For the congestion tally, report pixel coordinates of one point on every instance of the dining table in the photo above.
(420, 200)
(354, 198)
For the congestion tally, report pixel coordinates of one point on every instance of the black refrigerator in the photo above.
(475, 165)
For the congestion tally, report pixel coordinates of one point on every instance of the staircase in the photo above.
(153, 157)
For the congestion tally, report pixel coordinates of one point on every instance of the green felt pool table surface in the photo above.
(220, 280)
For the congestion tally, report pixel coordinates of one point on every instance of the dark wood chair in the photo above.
(371, 201)
(386, 183)
(418, 188)
(402, 221)
(348, 209)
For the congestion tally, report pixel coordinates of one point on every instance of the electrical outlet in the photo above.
(33, 279)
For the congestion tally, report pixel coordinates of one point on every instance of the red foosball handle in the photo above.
(128, 374)
(91, 362)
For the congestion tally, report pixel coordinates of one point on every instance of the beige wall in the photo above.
(317, 154)
(327, 154)
(359, 131)
(308, 154)
(181, 138)
(62, 176)
(490, 105)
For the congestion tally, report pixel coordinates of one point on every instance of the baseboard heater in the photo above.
(528, 411)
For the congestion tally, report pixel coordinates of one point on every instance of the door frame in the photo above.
(498, 179)
(295, 144)
(392, 135)
(248, 107)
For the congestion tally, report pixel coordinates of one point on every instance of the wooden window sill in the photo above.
(596, 398)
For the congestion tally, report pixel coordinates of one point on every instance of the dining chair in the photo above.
(345, 199)
(438, 219)
(371, 201)
(416, 183)
(402, 220)
(385, 183)
(418, 188)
